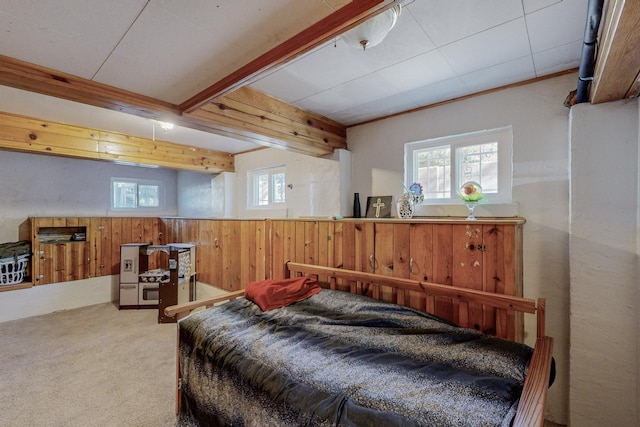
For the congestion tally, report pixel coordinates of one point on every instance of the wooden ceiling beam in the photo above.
(31, 135)
(248, 115)
(617, 69)
(303, 131)
(327, 28)
(34, 78)
(277, 123)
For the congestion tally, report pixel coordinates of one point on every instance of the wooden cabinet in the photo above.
(73, 248)
(60, 249)
(483, 255)
(178, 289)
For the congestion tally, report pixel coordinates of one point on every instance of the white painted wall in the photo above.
(37, 185)
(540, 187)
(195, 194)
(604, 265)
(45, 299)
(315, 184)
(223, 197)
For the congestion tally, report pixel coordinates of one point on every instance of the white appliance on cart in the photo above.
(134, 261)
(159, 287)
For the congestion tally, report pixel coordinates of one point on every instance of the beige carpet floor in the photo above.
(91, 366)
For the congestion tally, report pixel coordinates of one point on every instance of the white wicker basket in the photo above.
(12, 270)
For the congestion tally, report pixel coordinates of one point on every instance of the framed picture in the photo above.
(379, 207)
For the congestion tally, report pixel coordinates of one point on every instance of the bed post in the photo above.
(178, 378)
(540, 321)
(530, 410)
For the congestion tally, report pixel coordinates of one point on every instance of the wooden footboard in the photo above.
(532, 404)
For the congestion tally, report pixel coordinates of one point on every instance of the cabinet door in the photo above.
(502, 253)
(116, 241)
(252, 262)
(42, 253)
(99, 238)
(421, 264)
(373, 252)
(468, 270)
(78, 253)
(231, 255)
(442, 264)
(205, 264)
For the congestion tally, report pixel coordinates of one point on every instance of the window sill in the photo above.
(482, 209)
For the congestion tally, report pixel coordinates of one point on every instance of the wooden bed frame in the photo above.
(532, 404)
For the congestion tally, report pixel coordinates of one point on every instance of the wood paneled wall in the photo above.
(484, 255)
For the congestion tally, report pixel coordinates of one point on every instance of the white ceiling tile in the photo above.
(325, 103)
(232, 19)
(534, 5)
(156, 82)
(288, 84)
(106, 19)
(495, 46)
(422, 70)
(74, 39)
(557, 59)
(25, 41)
(165, 57)
(451, 20)
(438, 92)
(500, 75)
(365, 89)
(347, 95)
(557, 25)
(382, 107)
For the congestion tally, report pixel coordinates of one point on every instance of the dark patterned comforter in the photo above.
(342, 359)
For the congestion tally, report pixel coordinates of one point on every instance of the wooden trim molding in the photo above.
(617, 71)
(30, 135)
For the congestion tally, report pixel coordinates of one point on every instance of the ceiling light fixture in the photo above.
(165, 126)
(372, 31)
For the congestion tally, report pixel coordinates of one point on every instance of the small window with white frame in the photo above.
(267, 188)
(442, 165)
(136, 194)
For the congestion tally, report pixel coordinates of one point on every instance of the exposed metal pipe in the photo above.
(587, 60)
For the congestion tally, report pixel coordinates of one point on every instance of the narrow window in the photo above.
(267, 188)
(134, 194)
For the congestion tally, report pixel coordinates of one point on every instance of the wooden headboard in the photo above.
(372, 284)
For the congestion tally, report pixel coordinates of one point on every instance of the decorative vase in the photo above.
(356, 205)
(405, 207)
(471, 206)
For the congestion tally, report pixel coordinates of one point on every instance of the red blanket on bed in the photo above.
(270, 294)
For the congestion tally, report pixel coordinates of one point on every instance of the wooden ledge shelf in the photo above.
(23, 285)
